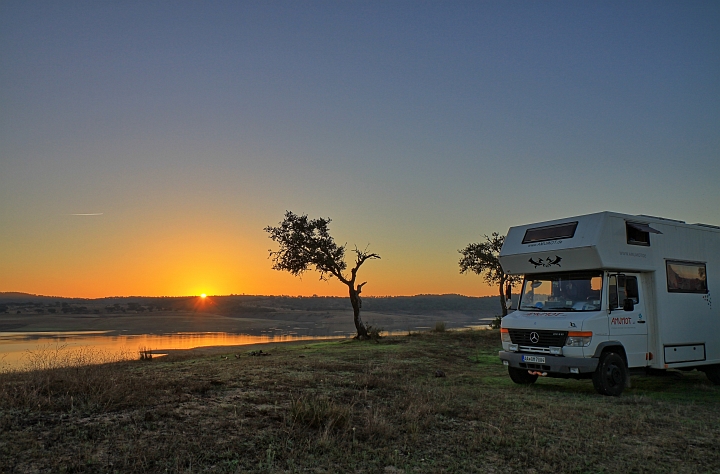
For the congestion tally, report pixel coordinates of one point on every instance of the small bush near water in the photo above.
(351, 406)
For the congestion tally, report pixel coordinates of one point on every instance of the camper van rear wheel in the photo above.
(713, 374)
(611, 374)
(521, 376)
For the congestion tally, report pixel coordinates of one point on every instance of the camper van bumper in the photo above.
(552, 364)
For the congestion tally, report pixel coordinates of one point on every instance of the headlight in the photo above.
(504, 335)
(578, 338)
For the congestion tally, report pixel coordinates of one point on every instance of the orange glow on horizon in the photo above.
(157, 266)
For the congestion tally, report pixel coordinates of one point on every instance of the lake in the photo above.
(30, 339)
(21, 350)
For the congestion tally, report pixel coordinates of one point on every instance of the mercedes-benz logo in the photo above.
(534, 337)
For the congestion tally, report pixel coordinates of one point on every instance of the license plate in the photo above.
(536, 359)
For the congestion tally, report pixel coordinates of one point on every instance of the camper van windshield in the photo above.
(552, 292)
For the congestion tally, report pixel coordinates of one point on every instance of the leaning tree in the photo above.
(482, 258)
(306, 244)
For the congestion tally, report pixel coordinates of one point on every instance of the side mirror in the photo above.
(628, 304)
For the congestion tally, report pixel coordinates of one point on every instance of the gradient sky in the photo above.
(416, 126)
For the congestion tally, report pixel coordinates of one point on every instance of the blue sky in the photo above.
(416, 126)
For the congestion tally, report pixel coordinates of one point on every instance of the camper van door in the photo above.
(628, 318)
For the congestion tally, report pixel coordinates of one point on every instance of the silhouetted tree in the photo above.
(482, 258)
(306, 244)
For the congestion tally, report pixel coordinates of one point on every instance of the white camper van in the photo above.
(606, 295)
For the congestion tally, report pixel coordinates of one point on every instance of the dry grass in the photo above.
(58, 379)
(350, 407)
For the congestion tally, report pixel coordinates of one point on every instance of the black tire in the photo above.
(713, 374)
(521, 376)
(611, 375)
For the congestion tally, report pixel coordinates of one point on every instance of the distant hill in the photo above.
(395, 304)
(255, 303)
(15, 294)
(12, 296)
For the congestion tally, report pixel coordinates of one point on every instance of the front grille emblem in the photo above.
(534, 337)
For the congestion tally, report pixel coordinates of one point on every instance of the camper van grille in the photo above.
(524, 337)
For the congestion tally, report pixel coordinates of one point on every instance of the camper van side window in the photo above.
(639, 233)
(686, 277)
(636, 236)
(621, 287)
(631, 289)
(612, 292)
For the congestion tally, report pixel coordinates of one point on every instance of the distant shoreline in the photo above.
(19, 295)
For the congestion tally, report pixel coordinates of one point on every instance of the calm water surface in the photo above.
(24, 350)
(18, 350)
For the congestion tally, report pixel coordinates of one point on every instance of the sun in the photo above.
(203, 295)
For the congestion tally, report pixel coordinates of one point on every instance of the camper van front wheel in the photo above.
(713, 374)
(521, 376)
(610, 376)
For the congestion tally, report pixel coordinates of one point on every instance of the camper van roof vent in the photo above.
(661, 218)
(707, 225)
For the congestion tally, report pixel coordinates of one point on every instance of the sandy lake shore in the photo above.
(163, 322)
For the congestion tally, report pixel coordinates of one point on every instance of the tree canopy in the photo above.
(482, 258)
(306, 244)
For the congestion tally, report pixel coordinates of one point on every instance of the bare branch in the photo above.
(360, 257)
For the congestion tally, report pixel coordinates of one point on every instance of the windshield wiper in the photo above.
(547, 310)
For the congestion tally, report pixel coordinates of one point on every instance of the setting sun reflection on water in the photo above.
(17, 349)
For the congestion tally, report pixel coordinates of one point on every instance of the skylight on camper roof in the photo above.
(550, 232)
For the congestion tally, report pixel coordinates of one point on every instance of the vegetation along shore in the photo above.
(435, 401)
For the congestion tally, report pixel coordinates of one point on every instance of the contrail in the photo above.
(89, 214)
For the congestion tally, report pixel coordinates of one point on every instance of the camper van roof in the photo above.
(661, 218)
(707, 225)
(599, 241)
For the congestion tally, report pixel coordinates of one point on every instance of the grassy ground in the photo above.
(429, 402)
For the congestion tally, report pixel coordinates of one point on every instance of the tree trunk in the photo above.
(359, 326)
(503, 305)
